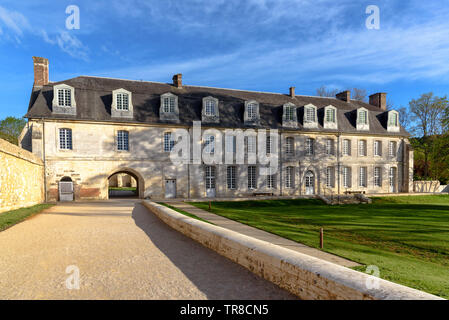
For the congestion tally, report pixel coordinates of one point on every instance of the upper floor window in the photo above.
(64, 97)
(169, 104)
(168, 110)
(169, 142)
(122, 140)
(210, 108)
(330, 117)
(310, 146)
(122, 101)
(289, 145)
(330, 147)
(362, 119)
(251, 144)
(209, 146)
(377, 148)
(346, 147)
(310, 116)
(393, 121)
(65, 139)
(289, 116)
(122, 106)
(252, 111)
(362, 148)
(270, 144)
(392, 149)
(289, 113)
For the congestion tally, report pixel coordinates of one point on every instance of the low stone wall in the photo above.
(305, 276)
(21, 177)
(426, 186)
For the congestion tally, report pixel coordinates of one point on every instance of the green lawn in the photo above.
(406, 237)
(123, 188)
(10, 218)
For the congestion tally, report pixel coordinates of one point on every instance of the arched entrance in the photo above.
(309, 182)
(125, 183)
(65, 189)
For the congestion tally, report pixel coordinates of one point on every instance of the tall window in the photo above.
(362, 148)
(392, 148)
(346, 177)
(377, 177)
(122, 140)
(65, 97)
(289, 113)
(210, 144)
(251, 144)
(330, 115)
(289, 145)
(122, 101)
(252, 184)
(65, 139)
(269, 142)
(169, 104)
(309, 146)
(289, 177)
(329, 177)
(363, 117)
(310, 115)
(210, 177)
(252, 111)
(362, 177)
(230, 177)
(346, 147)
(329, 147)
(169, 142)
(393, 119)
(271, 180)
(230, 142)
(377, 148)
(210, 108)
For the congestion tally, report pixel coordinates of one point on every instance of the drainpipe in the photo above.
(338, 164)
(45, 163)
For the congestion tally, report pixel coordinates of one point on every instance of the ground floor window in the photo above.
(289, 176)
(252, 177)
(210, 177)
(230, 177)
(330, 177)
(362, 177)
(346, 177)
(271, 180)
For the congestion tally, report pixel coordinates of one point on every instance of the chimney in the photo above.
(177, 80)
(40, 71)
(344, 96)
(292, 92)
(378, 100)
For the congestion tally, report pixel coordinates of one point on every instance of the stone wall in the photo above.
(426, 186)
(307, 277)
(21, 177)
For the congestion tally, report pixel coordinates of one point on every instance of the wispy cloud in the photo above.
(68, 43)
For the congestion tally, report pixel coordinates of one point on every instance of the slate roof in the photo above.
(93, 97)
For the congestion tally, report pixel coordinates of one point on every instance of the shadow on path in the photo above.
(217, 277)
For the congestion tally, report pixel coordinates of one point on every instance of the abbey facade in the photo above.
(87, 129)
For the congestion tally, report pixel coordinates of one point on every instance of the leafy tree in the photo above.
(10, 129)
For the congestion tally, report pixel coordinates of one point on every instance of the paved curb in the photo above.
(305, 276)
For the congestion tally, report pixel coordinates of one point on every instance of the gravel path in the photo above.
(122, 252)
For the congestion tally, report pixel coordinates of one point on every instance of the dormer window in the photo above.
(251, 114)
(122, 106)
(362, 119)
(169, 109)
(289, 116)
(64, 99)
(393, 121)
(330, 117)
(310, 117)
(122, 101)
(210, 110)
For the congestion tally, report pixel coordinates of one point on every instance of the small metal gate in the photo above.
(66, 191)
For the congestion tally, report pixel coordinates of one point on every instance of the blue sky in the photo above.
(263, 45)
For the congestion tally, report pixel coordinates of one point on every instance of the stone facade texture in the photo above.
(21, 178)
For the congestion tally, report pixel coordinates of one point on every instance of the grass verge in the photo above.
(10, 218)
(183, 212)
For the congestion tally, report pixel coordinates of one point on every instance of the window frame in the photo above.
(231, 177)
(252, 177)
(65, 142)
(122, 144)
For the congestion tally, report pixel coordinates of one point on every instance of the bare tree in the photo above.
(325, 92)
(358, 94)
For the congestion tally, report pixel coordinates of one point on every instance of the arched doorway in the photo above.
(310, 182)
(66, 189)
(125, 183)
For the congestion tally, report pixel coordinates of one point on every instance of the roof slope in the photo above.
(93, 97)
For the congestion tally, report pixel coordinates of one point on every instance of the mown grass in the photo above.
(183, 212)
(406, 237)
(10, 218)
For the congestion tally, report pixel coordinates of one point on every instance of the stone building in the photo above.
(87, 129)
